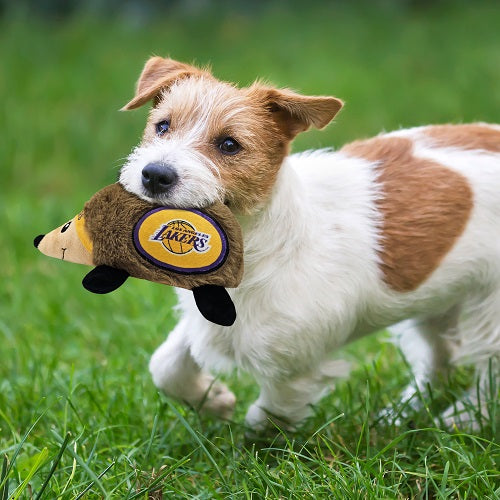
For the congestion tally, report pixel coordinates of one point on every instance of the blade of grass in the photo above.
(165, 473)
(71, 476)
(196, 437)
(4, 490)
(18, 448)
(54, 466)
(444, 479)
(40, 459)
(10, 425)
(153, 430)
(80, 495)
(325, 425)
(82, 464)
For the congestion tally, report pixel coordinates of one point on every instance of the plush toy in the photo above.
(123, 236)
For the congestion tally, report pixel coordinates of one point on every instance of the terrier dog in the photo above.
(403, 229)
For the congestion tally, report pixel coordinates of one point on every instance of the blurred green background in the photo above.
(66, 69)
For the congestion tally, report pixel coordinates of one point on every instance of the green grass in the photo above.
(78, 411)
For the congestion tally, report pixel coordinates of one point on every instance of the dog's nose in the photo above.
(158, 178)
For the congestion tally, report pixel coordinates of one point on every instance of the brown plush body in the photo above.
(115, 208)
(124, 235)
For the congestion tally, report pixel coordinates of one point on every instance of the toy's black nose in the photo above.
(37, 240)
(158, 178)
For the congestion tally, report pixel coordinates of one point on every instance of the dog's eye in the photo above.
(162, 127)
(229, 146)
(65, 227)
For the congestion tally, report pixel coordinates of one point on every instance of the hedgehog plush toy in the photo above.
(122, 235)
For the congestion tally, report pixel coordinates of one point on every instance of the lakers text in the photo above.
(181, 237)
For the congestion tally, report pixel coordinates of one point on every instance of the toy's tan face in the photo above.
(68, 242)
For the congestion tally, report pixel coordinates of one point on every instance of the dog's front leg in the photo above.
(278, 405)
(285, 402)
(177, 374)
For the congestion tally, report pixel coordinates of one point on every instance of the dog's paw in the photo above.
(256, 418)
(219, 401)
(261, 421)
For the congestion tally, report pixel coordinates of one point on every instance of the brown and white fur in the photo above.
(402, 229)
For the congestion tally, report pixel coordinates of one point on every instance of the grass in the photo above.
(79, 416)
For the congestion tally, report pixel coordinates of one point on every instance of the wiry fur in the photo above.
(314, 241)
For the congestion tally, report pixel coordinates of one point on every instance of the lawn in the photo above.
(79, 415)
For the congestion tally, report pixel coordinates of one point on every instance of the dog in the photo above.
(401, 229)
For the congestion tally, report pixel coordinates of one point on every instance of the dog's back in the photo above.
(439, 196)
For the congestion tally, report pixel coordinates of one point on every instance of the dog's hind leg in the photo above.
(475, 404)
(426, 346)
(177, 374)
(478, 343)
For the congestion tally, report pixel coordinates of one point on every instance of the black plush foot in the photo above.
(104, 279)
(215, 304)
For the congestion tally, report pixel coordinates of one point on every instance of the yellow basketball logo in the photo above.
(178, 236)
(185, 241)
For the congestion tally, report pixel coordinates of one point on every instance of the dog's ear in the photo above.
(295, 113)
(159, 73)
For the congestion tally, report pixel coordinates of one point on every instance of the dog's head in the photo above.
(207, 140)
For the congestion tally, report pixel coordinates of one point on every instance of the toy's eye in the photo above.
(162, 127)
(229, 146)
(66, 226)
